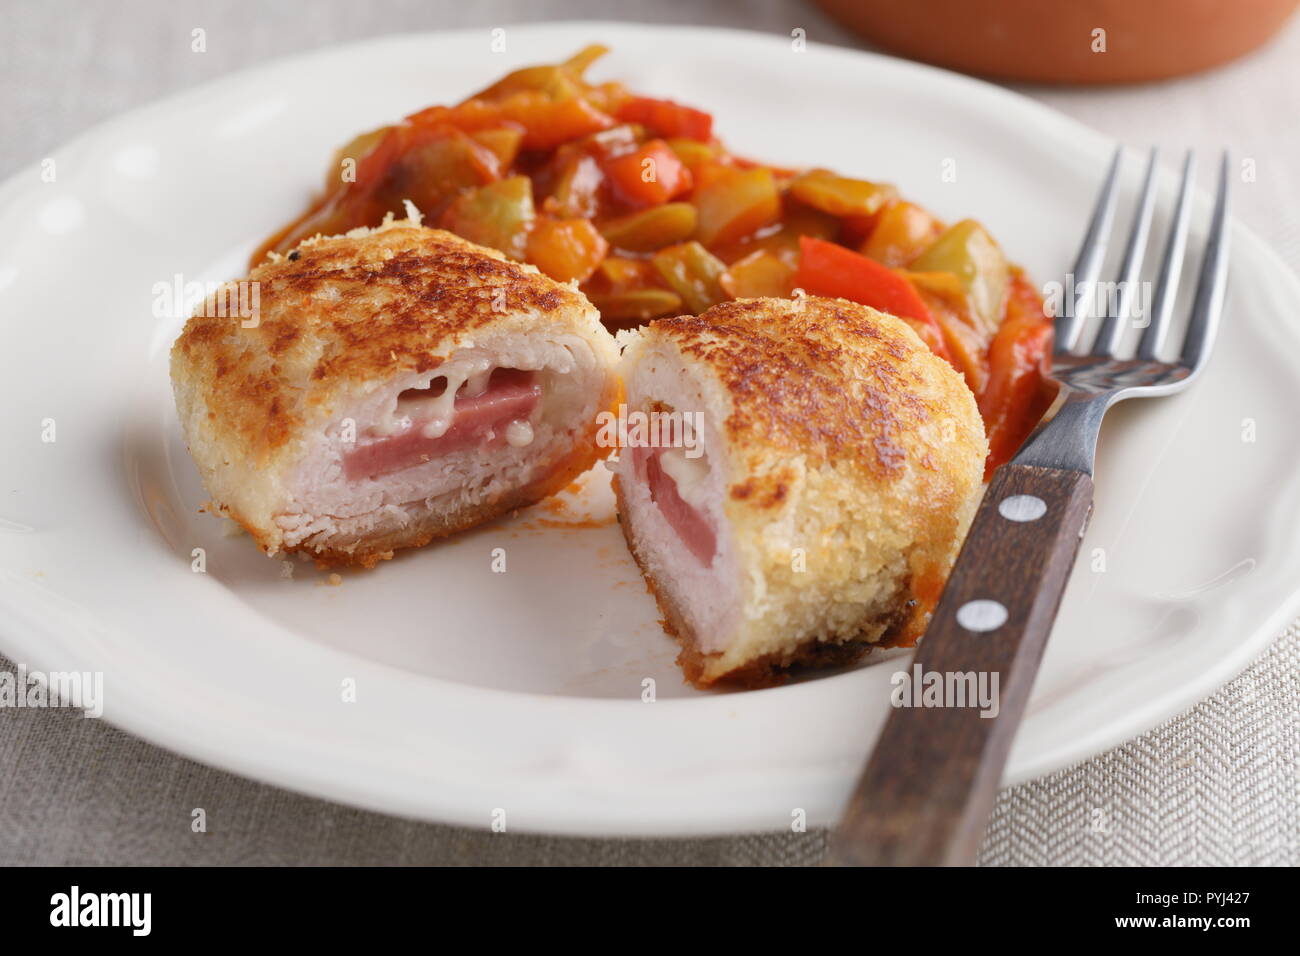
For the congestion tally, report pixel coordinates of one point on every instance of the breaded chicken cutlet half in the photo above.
(400, 384)
(830, 468)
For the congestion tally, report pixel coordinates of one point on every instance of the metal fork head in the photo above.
(1099, 369)
(1095, 377)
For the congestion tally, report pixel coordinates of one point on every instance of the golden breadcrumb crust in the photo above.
(829, 379)
(346, 309)
(849, 443)
(337, 317)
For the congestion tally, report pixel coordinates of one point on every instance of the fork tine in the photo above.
(1207, 308)
(1112, 326)
(1091, 254)
(1171, 268)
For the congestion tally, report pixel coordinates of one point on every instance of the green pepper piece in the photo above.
(652, 228)
(694, 273)
(637, 305)
(840, 195)
(969, 252)
(496, 215)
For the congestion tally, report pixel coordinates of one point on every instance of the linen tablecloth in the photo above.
(1219, 784)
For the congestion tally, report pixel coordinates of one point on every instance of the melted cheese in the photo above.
(519, 433)
(468, 376)
(437, 411)
(690, 475)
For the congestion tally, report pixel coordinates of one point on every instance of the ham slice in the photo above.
(689, 524)
(511, 396)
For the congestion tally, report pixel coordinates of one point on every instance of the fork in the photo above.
(928, 789)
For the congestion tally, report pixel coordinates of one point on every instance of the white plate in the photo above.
(522, 691)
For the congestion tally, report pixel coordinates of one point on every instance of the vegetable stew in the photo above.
(635, 199)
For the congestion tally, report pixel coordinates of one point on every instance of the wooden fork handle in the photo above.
(925, 797)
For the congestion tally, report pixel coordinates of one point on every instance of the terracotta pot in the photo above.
(1057, 41)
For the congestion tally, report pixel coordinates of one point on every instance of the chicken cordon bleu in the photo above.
(831, 467)
(399, 384)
